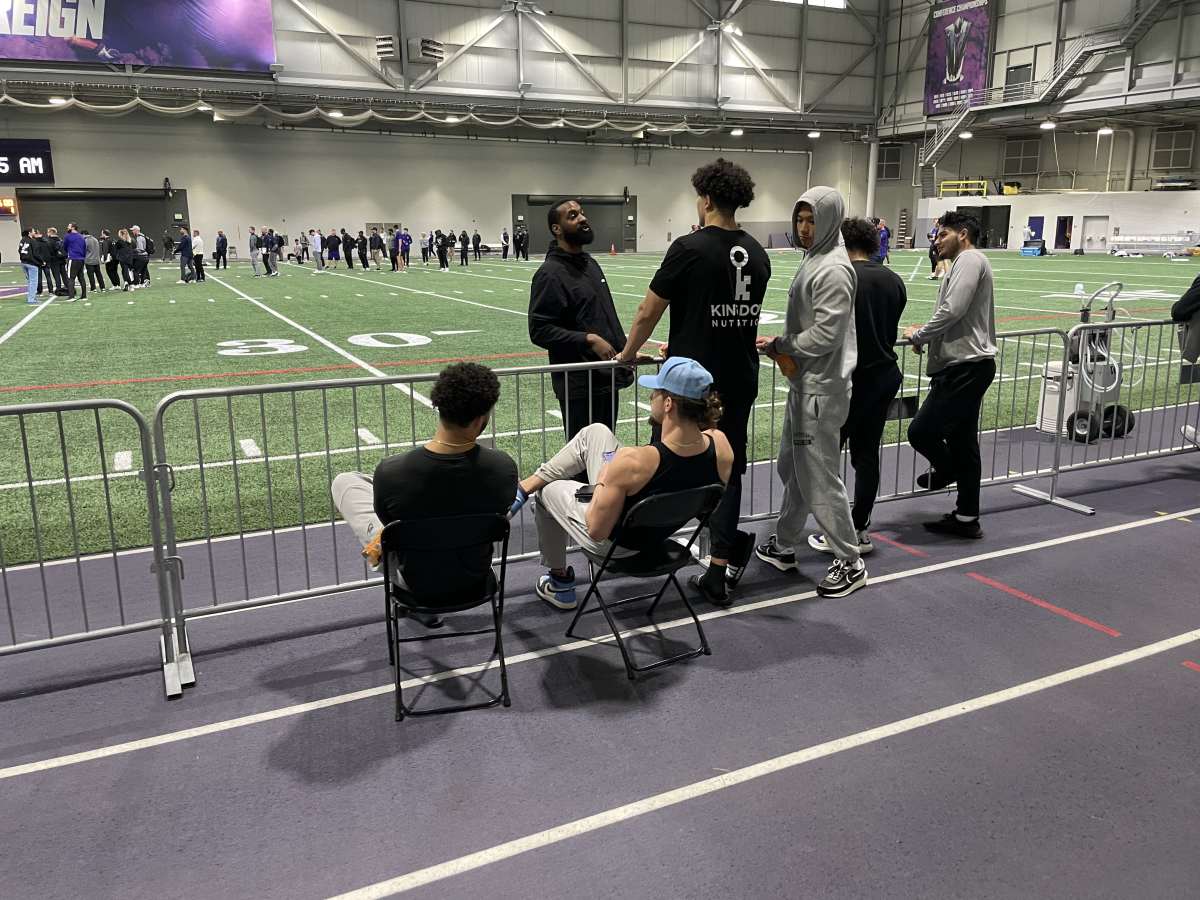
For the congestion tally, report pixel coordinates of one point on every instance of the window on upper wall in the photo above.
(890, 157)
(1021, 156)
(1019, 74)
(1172, 148)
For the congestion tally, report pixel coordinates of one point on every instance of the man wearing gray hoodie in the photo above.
(818, 354)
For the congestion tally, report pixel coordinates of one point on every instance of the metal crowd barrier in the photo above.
(236, 511)
(81, 555)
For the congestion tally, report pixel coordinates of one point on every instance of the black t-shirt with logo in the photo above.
(715, 280)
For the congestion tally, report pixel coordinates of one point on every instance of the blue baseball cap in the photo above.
(680, 376)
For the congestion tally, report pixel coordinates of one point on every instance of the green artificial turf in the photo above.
(140, 347)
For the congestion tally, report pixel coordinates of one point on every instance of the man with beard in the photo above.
(572, 315)
(820, 345)
(961, 366)
(713, 280)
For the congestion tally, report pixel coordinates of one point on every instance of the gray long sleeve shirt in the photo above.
(963, 325)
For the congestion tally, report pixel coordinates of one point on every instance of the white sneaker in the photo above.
(818, 543)
(1190, 434)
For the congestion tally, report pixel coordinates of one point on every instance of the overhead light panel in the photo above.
(204, 107)
(335, 114)
(813, 135)
(966, 135)
(730, 28)
(736, 132)
(1105, 131)
(452, 120)
(1048, 125)
(58, 101)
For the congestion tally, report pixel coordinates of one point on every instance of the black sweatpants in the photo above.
(424, 255)
(362, 258)
(141, 270)
(95, 279)
(869, 401)
(443, 259)
(945, 429)
(586, 409)
(75, 273)
(112, 267)
(222, 257)
(476, 254)
(198, 263)
(404, 256)
(58, 268)
(933, 258)
(394, 257)
(462, 257)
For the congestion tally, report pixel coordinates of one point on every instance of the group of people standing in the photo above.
(54, 265)
(338, 245)
(836, 352)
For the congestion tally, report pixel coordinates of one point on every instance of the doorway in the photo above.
(1095, 234)
(1036, 224)
(993, 224)
(1063, 232)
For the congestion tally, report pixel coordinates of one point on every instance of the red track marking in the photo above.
(899, 546)
(298, 371)
(1191, 665)
(1057, 610)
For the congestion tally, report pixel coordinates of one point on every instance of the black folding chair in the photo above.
(456, 590)
(647, 529)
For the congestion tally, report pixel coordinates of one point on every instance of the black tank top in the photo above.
(674, 473)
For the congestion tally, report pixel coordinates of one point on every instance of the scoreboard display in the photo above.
(26, 162)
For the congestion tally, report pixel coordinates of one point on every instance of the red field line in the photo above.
(1057, 610)
(1195, 667)
(298, 371)
(899, 546)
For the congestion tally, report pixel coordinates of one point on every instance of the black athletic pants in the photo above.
(395, 259)
(476, 254)
(933, 258)
(141, 270)
(198, 262)
(945, 429)
(362, 258)
(112, 267)
(869, 402)
(404, 256)
(44, 280)
(462, 261)
(584, 409)
(58, 268)
(222, 257)
(75, 273)
(443, 259)
(424, 255)
(95, 279)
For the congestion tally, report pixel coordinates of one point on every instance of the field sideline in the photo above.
(237, 330)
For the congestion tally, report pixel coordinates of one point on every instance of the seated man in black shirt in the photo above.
(690, 453)
(450, 476)
(879, 300)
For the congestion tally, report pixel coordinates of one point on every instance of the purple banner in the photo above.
(960, 37)
(185, 34)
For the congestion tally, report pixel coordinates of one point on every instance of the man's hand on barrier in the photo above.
(602, 348)
(908, 336)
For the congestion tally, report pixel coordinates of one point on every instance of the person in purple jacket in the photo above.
(76, 250)
(405, 248)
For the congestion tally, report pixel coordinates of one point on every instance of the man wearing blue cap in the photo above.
(690, 453)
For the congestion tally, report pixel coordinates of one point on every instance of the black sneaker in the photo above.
(843, 578)
(773, 555)
(704, 585)
(951, 525)
(429, 621)
(932, 481)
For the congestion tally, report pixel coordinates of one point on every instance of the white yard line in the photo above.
(389, 284)
(285, 712)
(25, 321)
(913, 273)
(325, 342)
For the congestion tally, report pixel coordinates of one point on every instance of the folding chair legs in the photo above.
(632, 670)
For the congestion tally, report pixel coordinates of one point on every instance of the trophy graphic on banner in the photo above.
(956, 45)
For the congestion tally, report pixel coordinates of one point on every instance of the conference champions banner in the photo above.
(960, 38)
(232, 35)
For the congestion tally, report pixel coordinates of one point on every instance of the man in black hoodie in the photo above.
(40, 253)
(476, 240)
(360, 244)
(464, 242)
(58, 260)
(572, 315)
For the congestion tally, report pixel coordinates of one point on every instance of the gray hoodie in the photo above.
(820, 315)
(91, 251)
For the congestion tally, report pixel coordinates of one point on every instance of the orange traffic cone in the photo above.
(612, 250)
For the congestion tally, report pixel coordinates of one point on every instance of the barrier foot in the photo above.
(171, 682)
(1057, 501)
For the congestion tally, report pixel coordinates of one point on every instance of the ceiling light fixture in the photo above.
(335, 114)
(58, 101)
(736, 132)
(452, 120)
(1048, 125)
(1105, 131)
(813, 135)
(730, 28)
(966, 135)
(204, 107)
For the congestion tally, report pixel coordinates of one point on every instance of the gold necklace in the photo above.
(449, 443)
(688, 443)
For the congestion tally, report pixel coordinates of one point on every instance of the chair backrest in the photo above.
(654, 519)
(445, 561)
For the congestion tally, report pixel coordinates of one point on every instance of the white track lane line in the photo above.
(25, 321)
(297, 709)
(387, 284)
(771, 766)
(913, 273)
(404, 388)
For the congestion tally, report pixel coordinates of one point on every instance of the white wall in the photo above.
(1134, 213)
(244, 175)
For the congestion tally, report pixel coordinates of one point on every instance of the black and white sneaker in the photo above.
(932, 481)
(774, 555)
(818, 543)
(843, 578)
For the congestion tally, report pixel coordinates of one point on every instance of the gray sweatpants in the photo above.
(254, 254)
(560, 517)
(809, 452)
